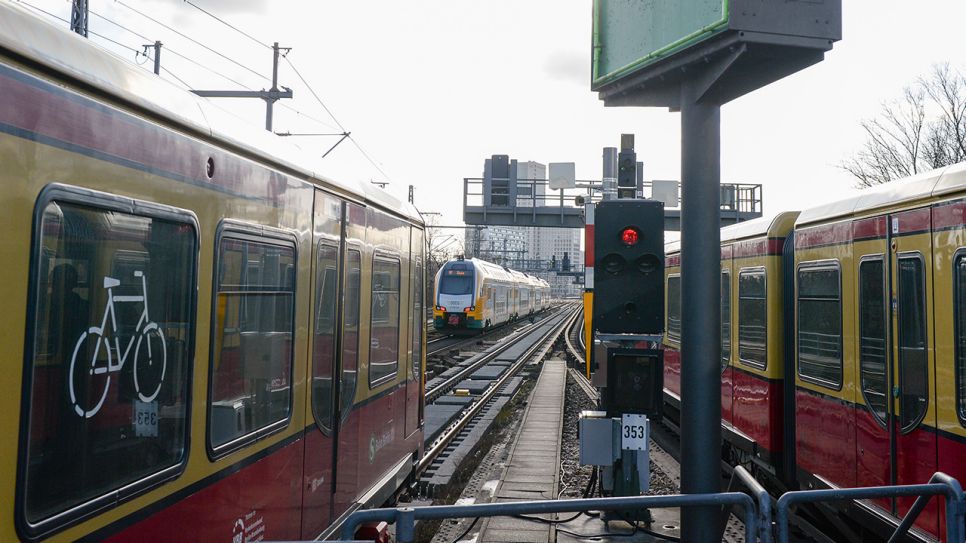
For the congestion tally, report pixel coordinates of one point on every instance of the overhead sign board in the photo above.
(642, 47)
(630, 34)
(563, 175)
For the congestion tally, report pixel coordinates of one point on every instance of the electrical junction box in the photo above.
(599, 440)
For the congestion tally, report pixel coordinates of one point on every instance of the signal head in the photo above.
(630, 236)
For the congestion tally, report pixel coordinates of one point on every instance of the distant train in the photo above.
(474, 294)
(843, 343)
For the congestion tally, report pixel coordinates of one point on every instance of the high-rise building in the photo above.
(530, 249)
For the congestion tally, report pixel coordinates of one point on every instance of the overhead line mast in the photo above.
(270, 96)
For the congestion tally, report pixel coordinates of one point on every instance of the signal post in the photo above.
(693, 57)
(626, 236)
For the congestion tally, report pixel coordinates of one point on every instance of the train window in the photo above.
(418, 319)
(820, 324)
(384, 324)
(725, 318)
(872, 342)
(457, 282)
(110, 358)
(324, 343)
(959, 288)
(251, 367)
(752, 317)
(674, 306)
(913, 370)
(350, 330)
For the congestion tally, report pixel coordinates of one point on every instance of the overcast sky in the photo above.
(431, 88)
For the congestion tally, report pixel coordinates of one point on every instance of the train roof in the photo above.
(920, 187)
(776, 225)
(69, 55)
(500, 272)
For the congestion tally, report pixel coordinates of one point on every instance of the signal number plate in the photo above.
(634, 432)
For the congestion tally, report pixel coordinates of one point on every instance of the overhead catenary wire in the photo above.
(192, 40)
(327, 110)
(168, 50)
(226, 23)
(312, 92)
(111, 40)
(174, 52)
(345, 133)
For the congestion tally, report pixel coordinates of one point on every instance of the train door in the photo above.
(874, 376)
(894, 440)
(418, 319)
(727, 379)
(913, 384)
(325, 346)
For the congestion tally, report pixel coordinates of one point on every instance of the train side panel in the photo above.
(237, 429)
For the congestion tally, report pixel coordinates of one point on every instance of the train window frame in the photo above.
(813, 266)
(726, 358)
(245, 231)
(916, 256)
(112, 499)
(334, 245)
(753, 270)
(394, 259)
(346, 398)
(959, 354)
(671, 334)
(865, 259)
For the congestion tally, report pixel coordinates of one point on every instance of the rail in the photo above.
(440, 389)
(443, 441)
(453, 342)
(570, 346)
(405, 517)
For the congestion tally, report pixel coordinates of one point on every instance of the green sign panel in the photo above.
(631, 34)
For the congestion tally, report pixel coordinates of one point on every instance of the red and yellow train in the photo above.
(206, 339)
(843, 343)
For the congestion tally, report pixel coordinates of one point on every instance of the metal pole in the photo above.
(270, 102)
(157, 58)
(78, 17)
(609, 182)
(701, 318)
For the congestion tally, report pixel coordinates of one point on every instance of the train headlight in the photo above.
(468, 309)
(440, 308)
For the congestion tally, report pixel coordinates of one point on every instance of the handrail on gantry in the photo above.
(406, 517)
(741, 476)
(939, 484)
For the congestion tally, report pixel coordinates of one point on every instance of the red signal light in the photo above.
(630, 236)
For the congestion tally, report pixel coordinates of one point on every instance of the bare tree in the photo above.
(923, 130)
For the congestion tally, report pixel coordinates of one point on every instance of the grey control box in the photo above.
(596, 431)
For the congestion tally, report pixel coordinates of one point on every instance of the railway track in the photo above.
(667, 435)
(546, 332)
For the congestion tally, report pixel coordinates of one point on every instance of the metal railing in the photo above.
(756, 508)
(536, 193)
(939, 484)
(741, 476)
(405, 517)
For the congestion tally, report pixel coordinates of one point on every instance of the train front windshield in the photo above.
(456, 282)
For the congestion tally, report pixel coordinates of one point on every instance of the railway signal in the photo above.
(627, 168)
(629, 264)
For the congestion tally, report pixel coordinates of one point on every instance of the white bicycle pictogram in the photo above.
(148, 336)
